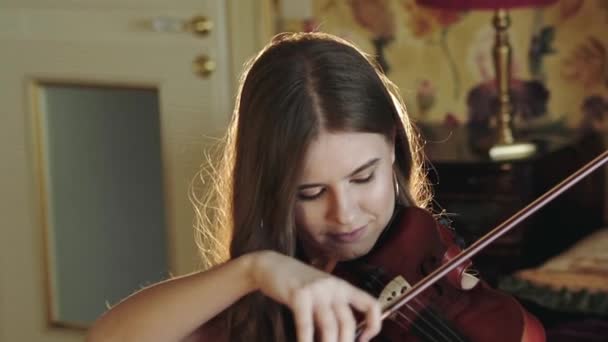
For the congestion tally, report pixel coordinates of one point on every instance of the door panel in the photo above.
(78, 64)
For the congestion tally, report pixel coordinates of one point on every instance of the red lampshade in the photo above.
(483, 4)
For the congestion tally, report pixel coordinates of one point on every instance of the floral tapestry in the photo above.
(442, 60)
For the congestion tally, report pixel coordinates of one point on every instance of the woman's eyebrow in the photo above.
(365, 166)
(359, 169)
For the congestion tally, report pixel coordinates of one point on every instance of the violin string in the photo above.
(429, 312)
(428, 336)
(421, 315)
(415, 300)
(419, 326)
(415, 326)
(456, 338)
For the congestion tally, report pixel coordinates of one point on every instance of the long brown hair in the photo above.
(298, 85)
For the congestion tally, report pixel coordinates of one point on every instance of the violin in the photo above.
(448, 302)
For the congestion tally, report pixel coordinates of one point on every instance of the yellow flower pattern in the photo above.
(438, 57)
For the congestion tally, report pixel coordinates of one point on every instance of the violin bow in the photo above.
(494, 234)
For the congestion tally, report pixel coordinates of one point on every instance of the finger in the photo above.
(303, 317)
(373, 322)
(346, 321)
(370, 306)
(326, 322)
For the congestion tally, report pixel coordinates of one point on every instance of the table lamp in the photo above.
(505, 146)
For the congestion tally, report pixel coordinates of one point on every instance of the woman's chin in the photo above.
(351, 253)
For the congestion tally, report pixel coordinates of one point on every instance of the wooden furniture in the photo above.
(479, 193)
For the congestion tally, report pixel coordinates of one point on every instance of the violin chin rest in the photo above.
(468, 281)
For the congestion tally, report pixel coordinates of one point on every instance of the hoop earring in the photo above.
(396, 186)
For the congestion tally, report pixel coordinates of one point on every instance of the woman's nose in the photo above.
(343, 208)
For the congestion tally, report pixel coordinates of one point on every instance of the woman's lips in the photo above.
(350, 237)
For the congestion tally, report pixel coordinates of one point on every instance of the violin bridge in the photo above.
(393, 291)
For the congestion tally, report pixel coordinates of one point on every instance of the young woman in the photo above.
(318, 154)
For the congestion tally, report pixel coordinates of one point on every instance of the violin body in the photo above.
(411, 248)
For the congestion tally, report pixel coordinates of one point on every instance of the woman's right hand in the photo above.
(317, 299)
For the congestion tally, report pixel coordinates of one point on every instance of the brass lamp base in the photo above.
(505, 146)
(502, 66)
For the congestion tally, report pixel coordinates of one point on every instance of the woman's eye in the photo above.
(364, 179)
(310, 196)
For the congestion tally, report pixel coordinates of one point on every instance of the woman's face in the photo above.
(345, 195)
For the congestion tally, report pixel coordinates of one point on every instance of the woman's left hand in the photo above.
(316, 298)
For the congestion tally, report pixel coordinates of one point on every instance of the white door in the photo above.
(106, 107)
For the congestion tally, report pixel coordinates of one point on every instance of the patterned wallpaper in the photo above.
(442, 60)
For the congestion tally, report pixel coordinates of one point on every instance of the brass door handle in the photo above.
(199, 25)
(203, 66)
